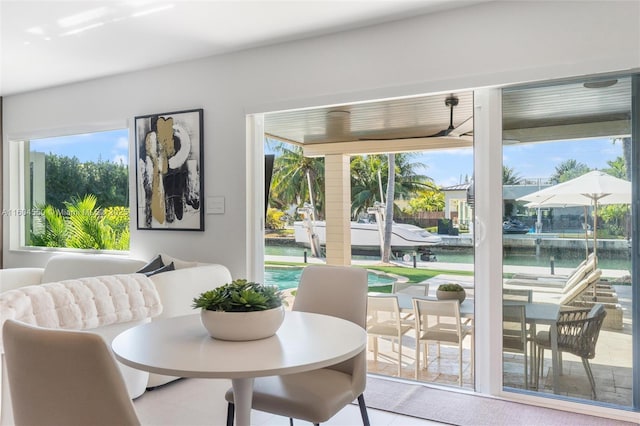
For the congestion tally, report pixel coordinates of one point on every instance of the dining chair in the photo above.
(63, 377)
(439, 321)
(578, 332)
(384, 320)
(399, 287)
(316, 396)
(515, 334)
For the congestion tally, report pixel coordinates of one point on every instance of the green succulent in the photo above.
(450, 287)
(239, 296)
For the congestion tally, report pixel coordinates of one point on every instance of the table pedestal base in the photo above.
(242, 397)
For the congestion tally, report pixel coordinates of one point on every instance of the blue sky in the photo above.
(446, 167)
(534, 160)
(108, 146)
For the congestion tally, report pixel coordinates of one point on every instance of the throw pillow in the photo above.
(165, 268)
(179, 264)
(156, 263)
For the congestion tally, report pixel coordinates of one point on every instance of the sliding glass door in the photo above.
(567, 298)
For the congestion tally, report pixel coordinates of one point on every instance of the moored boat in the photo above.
(366, 237)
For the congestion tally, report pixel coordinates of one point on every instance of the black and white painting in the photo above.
(169, 170)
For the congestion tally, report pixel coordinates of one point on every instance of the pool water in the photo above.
(286, 278)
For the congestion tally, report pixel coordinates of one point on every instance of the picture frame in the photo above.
(170, 171)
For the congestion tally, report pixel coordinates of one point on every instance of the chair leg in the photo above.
(417, 358)
(425, 354)
(539, 367)
(399, 356)
(375, 348)
(460, 364)
(526, 366)
(592, 382)
(363, 411)
(230, 413)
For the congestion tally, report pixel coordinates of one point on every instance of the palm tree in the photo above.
(370, 173)
(366, 174)
(53, 230)
(297, 179)
(509, 176)
(86, 226)
(388, 218)
(617, 168)
(568, 170)
(626, 155)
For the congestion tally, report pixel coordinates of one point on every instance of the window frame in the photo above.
(15, 209)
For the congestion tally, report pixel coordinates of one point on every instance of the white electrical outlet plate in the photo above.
(215, 205)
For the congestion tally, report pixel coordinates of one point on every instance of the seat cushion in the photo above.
(313, 396)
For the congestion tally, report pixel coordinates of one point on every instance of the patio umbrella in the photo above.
(593, 188)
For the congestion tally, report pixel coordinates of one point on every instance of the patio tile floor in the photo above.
(613, 383)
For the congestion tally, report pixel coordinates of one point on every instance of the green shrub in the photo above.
(450, 287)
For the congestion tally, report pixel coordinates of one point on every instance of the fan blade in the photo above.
(465, 127)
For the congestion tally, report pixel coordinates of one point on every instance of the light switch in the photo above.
(215, 205)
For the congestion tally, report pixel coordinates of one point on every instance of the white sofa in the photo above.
(176, 290)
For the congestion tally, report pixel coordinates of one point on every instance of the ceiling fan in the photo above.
(465, 127)
(463, 131)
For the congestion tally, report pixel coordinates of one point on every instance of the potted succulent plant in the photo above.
(241, 310)
(451, 291)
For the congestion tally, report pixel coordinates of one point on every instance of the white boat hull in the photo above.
(365, 237)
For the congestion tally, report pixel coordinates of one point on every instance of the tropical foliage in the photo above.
(370, 174)
(427, 201)
(296, 179)
(509, 176)
(82, 224)
(67, 178)
(615, 216)
(569, 169)
(274, 219)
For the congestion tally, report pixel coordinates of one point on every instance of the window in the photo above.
(73, 191)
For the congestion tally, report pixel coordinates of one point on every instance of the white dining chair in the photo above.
(384, 320)
(439, 321)
(316, 396)
(63, 377)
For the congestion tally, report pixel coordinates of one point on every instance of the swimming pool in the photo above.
(288, 277)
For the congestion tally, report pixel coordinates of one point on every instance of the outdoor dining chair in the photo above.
(578, 332)
(384, 320)
(515, 334)
(439, 321)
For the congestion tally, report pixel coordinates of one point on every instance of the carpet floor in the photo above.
(468, 410)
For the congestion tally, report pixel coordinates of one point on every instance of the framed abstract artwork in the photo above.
(169, 171)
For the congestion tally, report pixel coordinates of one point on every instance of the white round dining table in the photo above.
(181, 346)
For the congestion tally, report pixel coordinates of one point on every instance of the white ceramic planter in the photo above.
(447, 295)
(239, 326)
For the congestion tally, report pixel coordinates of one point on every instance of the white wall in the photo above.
(489, 44)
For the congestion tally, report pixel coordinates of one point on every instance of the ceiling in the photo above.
(50, 42)
(558, 111)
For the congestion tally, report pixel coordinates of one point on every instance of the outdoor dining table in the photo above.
(535, 314)
(405, 303)
(545, 314)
